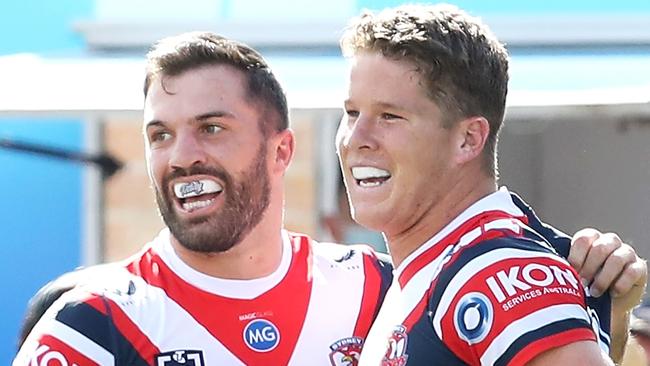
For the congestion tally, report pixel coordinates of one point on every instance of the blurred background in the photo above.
(73, 184)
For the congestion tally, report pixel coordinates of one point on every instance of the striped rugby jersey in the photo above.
(153, 309)
(485, 290)
(600, 308)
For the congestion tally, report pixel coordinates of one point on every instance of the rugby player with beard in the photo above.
(224, 284)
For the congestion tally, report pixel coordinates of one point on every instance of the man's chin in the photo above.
(203, 242)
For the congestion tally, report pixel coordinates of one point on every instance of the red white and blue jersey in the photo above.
(153, 309)
(600, 308)
(485, 290)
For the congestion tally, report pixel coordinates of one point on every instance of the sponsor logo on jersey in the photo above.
(180, 358)
(255, 315)
(519, 284)
(473, 317)
(346, 351)
(261, 335)
(396, 353)
(346, 257)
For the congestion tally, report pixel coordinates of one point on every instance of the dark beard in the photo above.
(245, 202)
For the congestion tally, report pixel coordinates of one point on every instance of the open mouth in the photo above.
(197, 194)
(368, 177)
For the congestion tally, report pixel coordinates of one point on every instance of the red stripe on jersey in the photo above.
(226, 318)
(418, 310)
(536, 348)
(140, 342)
(437, 249)
(57, 352)
(370, 300)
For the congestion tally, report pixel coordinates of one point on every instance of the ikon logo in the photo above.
(522, 279)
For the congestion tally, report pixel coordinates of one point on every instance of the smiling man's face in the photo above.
(207, 157)
(393, 148)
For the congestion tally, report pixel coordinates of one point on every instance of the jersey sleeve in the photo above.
(506, 305)
(83, 328)
(600, 308)
(70, 332)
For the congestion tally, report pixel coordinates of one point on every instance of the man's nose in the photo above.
(187, 151)
(361, 134)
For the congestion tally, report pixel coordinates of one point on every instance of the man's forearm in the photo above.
(619, 333)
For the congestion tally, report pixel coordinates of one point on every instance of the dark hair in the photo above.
(463, 67)
(175, 55)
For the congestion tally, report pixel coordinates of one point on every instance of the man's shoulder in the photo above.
(342, 253)
(335, 260)
(504, 255)
(503, 292)
(492, 248)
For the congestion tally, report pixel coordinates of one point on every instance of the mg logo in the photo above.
(261, 335)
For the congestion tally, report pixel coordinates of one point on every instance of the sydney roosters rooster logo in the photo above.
(396, 353)
(346, 351)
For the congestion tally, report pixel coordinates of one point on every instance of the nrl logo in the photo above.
(180, 358)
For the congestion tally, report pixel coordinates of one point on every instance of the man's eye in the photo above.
(212, 129)
(351, 113)
(389, 116)
(160, 136)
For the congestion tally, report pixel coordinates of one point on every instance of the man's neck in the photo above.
(257, 255)
(456, 200)
(254, 257)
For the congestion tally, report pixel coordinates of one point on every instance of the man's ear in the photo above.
(472, 134)
(284, 148)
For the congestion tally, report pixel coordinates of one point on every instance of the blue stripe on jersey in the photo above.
(384, 265)
(537, 334)
(470, 253)
(428, 340)
(100, 329)
(562, 244)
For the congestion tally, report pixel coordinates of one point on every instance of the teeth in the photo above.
(191, 206)
(196, 188)
(367, 172)
(367, 184)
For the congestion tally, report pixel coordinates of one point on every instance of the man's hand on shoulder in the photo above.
(608, 264)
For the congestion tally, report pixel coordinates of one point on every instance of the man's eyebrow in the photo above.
(154, 123)
(387, 105)
(378, 103)
(213, 114)
(200, 117)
